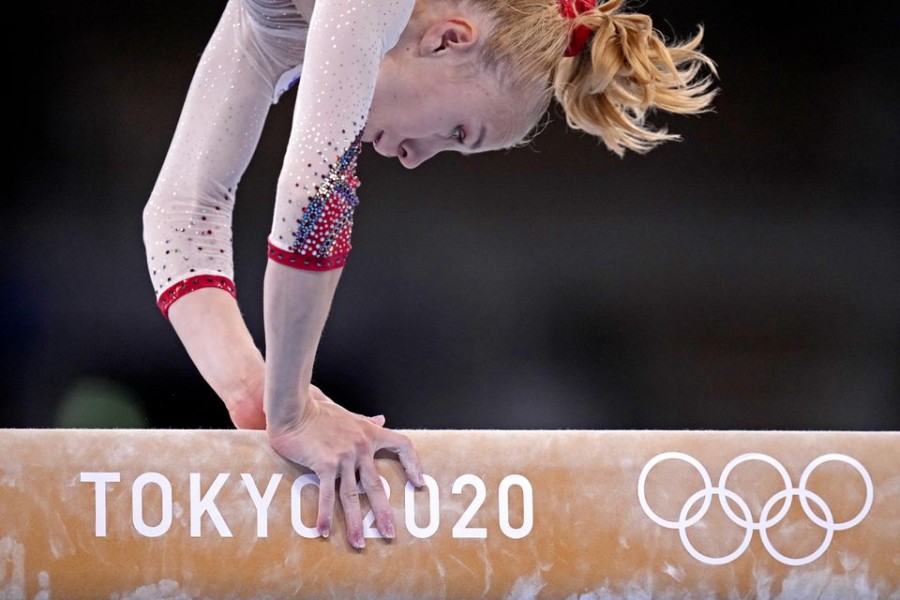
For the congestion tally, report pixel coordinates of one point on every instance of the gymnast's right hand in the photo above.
(337, 444)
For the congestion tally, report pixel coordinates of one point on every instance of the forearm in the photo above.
(296, 306)
(212, 330)
(187, 220)
(304, 425)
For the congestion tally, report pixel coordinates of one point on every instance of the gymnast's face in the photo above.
(431, 96)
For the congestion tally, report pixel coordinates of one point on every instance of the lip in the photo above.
(381, 149)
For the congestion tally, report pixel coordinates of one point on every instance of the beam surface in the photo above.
(216, 514)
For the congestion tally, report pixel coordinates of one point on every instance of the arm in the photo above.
(209, 324)
(187, 230)
(304, 425)
(187, 220)
(308, 245)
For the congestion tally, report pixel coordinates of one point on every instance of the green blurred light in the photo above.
(95, 403)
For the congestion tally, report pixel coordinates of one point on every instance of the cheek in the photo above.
(386, 110)
(416, 111)
(417, 121)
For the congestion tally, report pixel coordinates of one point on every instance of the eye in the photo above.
(459, 134)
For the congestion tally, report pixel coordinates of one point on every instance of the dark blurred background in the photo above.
(747, 277)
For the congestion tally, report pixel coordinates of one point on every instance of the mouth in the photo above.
(382, 149)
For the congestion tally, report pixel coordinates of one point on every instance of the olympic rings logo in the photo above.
(745, 519)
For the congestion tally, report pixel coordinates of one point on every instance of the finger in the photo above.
(409, 458)
(326, 503)
(378, 500)
(350, 502)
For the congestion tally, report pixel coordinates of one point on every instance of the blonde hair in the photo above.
(625, 71)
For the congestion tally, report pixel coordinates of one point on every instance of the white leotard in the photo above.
(259, 49)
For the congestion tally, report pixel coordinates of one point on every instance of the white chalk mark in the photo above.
(824, 584)
(674, 572)
(12, 569)
(43, 579)
(527, 588)
(849, 561)
(166, 589)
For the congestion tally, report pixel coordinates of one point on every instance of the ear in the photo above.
(454, 35)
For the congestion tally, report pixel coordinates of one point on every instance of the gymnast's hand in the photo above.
(336, 444)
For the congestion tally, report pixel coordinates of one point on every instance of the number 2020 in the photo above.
(462, 528)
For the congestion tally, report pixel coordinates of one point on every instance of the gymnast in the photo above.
(413, 78)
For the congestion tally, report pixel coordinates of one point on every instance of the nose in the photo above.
(414, 153)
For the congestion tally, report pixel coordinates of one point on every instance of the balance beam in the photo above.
(178, 514)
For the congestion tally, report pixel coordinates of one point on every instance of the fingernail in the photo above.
(359, 543)
(389, 531)
(324, 532)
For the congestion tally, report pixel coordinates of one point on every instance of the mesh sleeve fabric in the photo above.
(187, 220)
(316, 195)
(255, 54)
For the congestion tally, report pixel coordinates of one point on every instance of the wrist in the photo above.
(284, 418)
(288, 414)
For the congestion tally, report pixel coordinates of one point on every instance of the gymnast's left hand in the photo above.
(337, 444)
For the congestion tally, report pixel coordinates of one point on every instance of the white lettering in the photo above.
(100, 479)
(207, 504)
(462, 529)
(434, 509)
(513, 523)
(261, 502)
(296, 518)
(137, 504)
(369, 529)
(516, 533)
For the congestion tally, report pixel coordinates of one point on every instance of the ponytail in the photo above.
(626, 71)
(622, 69)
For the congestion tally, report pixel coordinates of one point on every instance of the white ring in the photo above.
(748, 536)
(829, 529)
(642, 482)
(747, 522)
(870, 494)
(785, 477)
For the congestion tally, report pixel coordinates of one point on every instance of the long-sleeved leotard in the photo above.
(259, 49)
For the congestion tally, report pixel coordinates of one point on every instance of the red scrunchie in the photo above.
(570, 9)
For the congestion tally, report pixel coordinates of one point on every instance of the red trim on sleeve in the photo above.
(186, 286)
(306, 262)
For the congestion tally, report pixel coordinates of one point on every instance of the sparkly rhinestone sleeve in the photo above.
(316, 196)
(257, 46)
